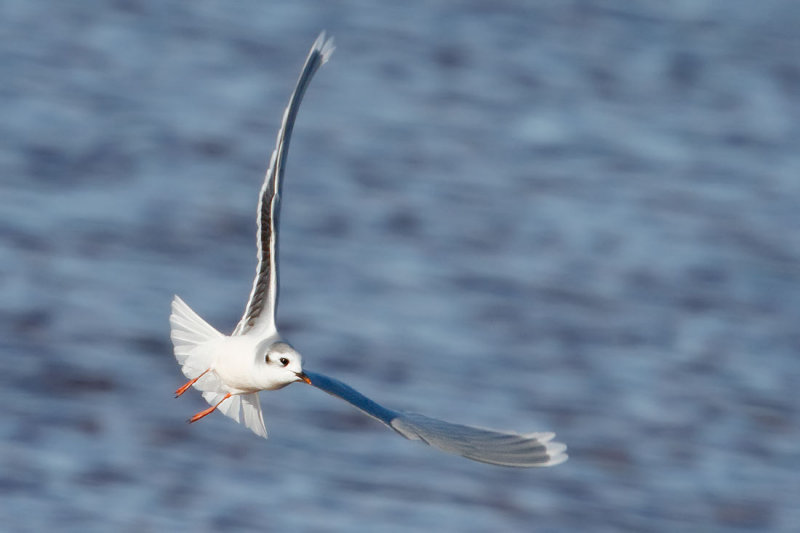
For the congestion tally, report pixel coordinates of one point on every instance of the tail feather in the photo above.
(243, 408)
(252, 416)
(188, 330)
(191, 336)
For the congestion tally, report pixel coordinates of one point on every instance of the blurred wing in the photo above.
(484, 445)
(260, 310)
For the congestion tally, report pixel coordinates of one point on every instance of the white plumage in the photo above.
(231, 370)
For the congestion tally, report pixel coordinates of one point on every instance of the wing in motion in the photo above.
(260, 311)
(484, 445)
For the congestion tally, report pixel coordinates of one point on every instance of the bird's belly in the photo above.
(240, 381)
(235, 371)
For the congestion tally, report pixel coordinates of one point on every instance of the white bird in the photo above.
(230, 371)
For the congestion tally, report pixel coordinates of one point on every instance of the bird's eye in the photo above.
(284, 361)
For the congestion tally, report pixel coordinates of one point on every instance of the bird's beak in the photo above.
(303, 377)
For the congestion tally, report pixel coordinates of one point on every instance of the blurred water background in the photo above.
(573, 216)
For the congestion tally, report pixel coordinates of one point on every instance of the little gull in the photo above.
(230, 371)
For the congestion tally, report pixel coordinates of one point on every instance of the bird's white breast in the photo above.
(235, 363)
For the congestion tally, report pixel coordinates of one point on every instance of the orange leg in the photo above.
(208, 411)
(191, 382)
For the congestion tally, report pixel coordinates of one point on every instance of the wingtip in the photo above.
(555, 450)
(541, 436)
(324, 45)
(555, 461)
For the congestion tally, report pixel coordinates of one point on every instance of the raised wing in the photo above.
(260, 311)
(484, 445)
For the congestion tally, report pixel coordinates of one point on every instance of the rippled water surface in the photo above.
(572, 216)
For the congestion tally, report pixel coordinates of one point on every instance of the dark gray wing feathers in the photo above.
(260, 309)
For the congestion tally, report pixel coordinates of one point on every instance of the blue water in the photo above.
(581, 217)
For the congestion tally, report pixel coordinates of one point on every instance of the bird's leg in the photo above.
(208, 411)
(191, 382)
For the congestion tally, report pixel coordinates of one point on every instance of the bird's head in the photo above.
(281, 365)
